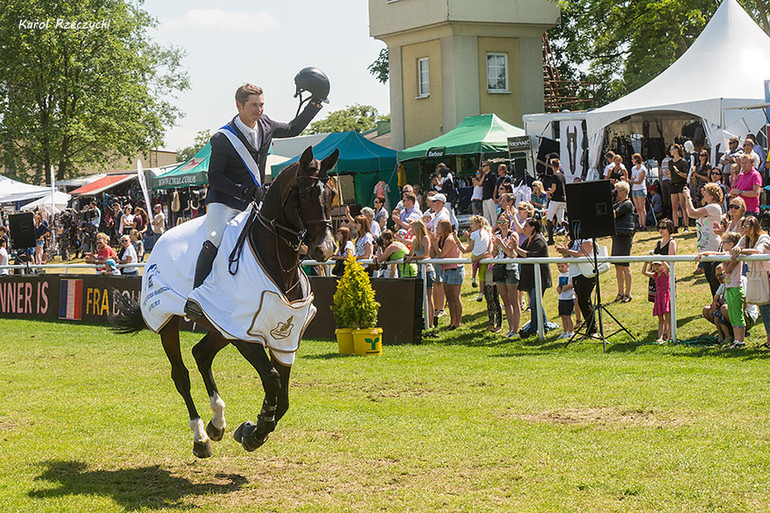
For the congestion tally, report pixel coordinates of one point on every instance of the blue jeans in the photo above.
(533, 326)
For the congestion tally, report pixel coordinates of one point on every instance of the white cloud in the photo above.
(213, 19)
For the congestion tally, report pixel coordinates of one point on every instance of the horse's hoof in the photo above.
(202, 449)
(214, 432)
(246, 436)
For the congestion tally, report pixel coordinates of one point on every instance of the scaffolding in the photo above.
(561, 94)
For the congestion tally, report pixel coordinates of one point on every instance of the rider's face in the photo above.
(252, 110)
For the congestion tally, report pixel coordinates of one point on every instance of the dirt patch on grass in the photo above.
(608, 417)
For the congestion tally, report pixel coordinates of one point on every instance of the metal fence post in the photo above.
(425, 312)
(672, 288)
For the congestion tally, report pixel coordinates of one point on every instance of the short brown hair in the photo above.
(242, 93)
(715, 191)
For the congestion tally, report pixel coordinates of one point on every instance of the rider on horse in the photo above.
(238, 158)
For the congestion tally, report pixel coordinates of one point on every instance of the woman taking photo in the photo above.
(504, 243)
(452, 274)
(421, 249)
(623, 240)
(535, 246)
(678, 168)
(394, 250)
(639, 189)
(705, 218)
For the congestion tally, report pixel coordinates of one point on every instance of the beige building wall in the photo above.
(422, 115)
(465, 31)
(506, 105)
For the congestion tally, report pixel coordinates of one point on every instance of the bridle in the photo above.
(293, 237)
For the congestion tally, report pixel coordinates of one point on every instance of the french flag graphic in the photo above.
(70, 299)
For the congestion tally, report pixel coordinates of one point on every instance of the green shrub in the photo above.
(354, 305)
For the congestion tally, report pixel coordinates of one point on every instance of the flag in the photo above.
(71, 300)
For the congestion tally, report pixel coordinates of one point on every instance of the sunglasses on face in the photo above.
(735, 207)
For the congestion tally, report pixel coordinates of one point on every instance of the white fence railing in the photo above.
(671, 259)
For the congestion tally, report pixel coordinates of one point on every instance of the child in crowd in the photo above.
(480, 237)
(662, 305)
(713, 311)
(734, 290)
(566, 300)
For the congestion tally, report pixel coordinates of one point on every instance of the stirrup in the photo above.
(193, 310)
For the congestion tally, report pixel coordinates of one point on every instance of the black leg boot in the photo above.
(550, 233)
(202, 270)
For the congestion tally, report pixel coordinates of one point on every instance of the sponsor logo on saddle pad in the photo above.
(283, 329)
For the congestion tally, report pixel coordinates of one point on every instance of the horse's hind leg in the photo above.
(249, 435)
(283, 395)
(169, 336)
(204, 353)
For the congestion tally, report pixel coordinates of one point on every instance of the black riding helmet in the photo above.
(314, 81)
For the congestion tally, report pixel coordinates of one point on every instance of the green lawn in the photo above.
(90, 421)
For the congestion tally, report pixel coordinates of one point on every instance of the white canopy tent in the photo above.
(12, 191)
(60, 200)
(722, 71)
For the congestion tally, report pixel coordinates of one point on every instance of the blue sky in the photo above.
(266, 43)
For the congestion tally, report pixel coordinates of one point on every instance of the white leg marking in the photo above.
(218, 407)
(198, 430)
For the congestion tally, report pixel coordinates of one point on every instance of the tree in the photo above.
(353, 117)
(201, 138)
(81, 83)
(380, 67)
(620, 46)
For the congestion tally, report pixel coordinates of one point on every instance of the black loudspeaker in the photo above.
(589, 209)
(22, 228)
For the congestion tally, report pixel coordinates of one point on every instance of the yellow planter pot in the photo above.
(345, 340)
(368, 342)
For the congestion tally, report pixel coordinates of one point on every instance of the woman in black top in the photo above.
(678, 167)
(623, 239)
(534, 246)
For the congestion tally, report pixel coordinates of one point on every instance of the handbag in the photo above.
(757, 287)
(498, 272)
(587, 268)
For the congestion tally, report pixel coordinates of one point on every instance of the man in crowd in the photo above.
(731, 156)
(557, 203)
(502, 177)
(488, 184)
(410, 212)
(104, 251)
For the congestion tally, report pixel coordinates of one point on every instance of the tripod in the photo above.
(582, 329)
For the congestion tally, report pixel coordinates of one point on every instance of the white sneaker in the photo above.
(511, 334)
(480, 297)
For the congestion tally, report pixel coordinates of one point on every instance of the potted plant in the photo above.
(355, 311)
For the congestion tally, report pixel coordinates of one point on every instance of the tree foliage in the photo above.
(381, 66)
(201, 138)
(353, 117)
(621, 45)
(72, 95)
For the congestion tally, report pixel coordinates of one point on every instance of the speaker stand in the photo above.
(599, 307)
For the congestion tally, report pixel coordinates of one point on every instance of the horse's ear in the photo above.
(306, 158)
(330, 161)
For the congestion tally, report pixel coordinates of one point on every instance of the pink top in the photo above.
(746, 182)
(453, 253)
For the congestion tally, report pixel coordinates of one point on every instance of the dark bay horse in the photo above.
(296, 210)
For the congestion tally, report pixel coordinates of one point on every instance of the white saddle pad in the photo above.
(246, 306)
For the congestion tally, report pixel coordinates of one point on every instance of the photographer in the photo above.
(393, 250)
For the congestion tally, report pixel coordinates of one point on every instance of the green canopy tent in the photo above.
(191, 173)
(482, 135)
(368, 162)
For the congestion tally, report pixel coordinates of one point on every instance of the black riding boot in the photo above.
(202, 270)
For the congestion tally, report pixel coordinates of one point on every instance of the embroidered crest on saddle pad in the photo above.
(246, 306)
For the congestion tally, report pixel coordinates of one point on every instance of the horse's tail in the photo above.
(129, 318)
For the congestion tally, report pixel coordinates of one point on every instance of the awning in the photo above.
(103, 184)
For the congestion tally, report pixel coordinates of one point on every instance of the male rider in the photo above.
(237, 165)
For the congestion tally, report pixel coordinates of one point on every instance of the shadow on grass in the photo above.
(133, 488)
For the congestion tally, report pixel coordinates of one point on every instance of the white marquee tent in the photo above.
(60, 200)
(721, 72)
(12, 191)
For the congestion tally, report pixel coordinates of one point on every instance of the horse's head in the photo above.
(306, 202)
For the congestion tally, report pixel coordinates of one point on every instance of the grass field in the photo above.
(467, 421)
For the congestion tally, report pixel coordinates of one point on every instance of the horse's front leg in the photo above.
(204, 353)
(283, 395)
(248, 434)
(169, 337)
